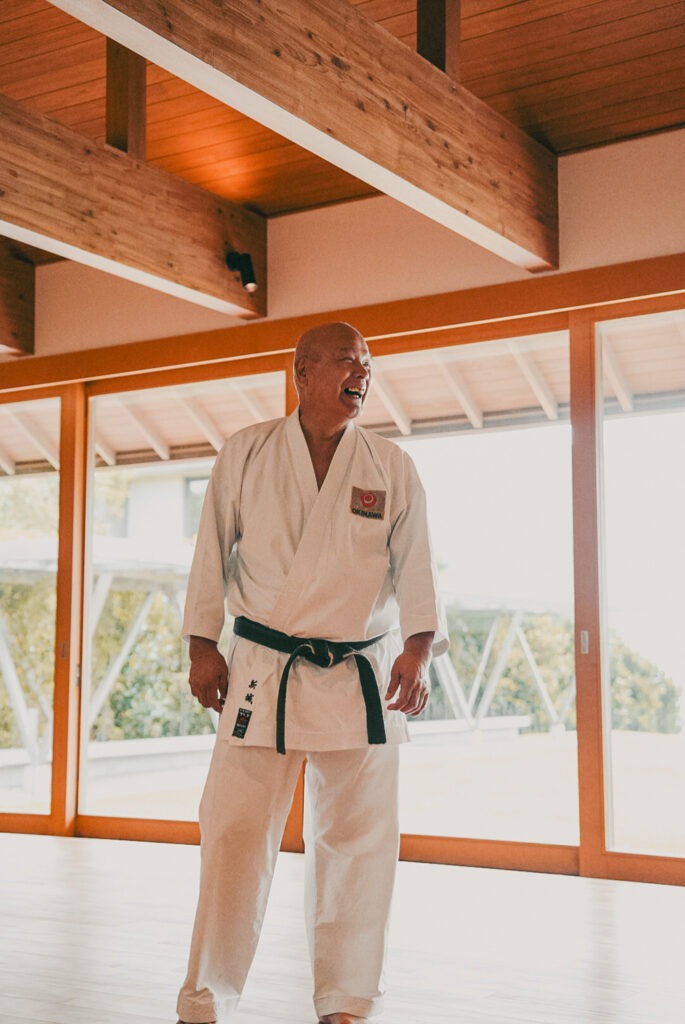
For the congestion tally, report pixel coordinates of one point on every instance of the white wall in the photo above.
(617, 203)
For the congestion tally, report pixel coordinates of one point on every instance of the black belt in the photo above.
(323, 653)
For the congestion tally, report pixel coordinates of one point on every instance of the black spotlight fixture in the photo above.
(241, 263)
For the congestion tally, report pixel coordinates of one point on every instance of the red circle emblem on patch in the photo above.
(368, 499)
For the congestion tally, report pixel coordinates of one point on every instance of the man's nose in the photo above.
(362, 371)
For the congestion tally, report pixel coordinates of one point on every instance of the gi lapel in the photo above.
(320, 508)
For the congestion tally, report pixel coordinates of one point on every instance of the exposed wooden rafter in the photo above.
(101, 207)
(438, 32)
(125, 100)
(39, 439)
(17, 295)
(616, 376)
(392, 402)
(537, 382)
(256, 409)
(459, 387)
(332, 81)
(148, 429)
(201, 418)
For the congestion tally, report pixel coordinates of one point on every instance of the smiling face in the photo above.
(332, 375)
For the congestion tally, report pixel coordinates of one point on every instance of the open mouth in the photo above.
(355, 392)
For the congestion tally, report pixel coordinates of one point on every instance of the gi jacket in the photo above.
(348, 562)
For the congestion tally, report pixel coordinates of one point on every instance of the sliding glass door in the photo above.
(145, 741)
(29, 510)
(494, 755)
(643, 437)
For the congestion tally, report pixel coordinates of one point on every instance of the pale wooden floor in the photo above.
(95, 932)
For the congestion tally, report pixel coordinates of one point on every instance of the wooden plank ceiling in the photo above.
(571, 73)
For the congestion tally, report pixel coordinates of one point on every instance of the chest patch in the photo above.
(369, 504)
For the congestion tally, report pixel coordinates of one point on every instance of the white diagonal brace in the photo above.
(256, 408)
(392, 403)
(537, 677)
(147, 429)
(679, 320)
(483, 663)
(452, 688)
(113, 670)
(498, 667)
(538, 384)
(616, 377)
(202, 419)
(102, 587)
(16, 697)
(36, 435)
(105, 451)
(7, 463)
(457, 384)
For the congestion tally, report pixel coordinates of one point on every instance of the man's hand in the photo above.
(208, 673)
(409, 676)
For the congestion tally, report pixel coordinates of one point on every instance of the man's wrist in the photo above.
(200, 644)
(420, 645)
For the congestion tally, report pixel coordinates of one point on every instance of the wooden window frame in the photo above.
(574, 302)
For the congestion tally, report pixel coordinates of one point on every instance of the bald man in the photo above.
(314, 533)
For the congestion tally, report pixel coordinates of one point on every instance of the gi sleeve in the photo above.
(205, 609)
(412, 565)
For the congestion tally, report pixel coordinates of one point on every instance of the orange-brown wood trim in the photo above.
(490, 853)
(9, 397)
(33, 824)
(584, 425)
(69, 617)
(636, 307)
(469, 334)
(145, 830)
(636, 867)
(639, 280)
(191, 375)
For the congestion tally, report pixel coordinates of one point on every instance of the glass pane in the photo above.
(487, 425)
(29, 510)
(643, 361)
(147, 742)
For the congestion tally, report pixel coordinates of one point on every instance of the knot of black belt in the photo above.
(323, 653)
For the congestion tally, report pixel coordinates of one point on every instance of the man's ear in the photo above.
(301, 368)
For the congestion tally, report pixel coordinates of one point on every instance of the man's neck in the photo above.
(322, 441)
(322, 431)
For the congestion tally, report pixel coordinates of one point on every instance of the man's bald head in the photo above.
(314, 342)
(332, 371)
(316, 338)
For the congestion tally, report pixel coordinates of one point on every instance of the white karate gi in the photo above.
(344, 563)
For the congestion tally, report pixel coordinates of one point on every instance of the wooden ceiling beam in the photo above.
(17, 300)
(332, 81)
(125, 100)
(98, 206)
(438, 33)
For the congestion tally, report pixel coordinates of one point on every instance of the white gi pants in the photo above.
(351, 842)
